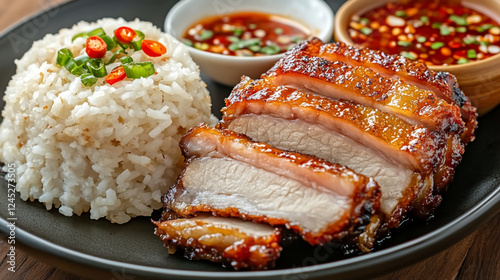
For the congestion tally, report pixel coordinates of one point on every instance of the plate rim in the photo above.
(422, 247)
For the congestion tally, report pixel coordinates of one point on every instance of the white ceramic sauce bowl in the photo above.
(226, 69)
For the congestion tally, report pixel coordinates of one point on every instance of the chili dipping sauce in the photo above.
(435, 32)
(245, 34)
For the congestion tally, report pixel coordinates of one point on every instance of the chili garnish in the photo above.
(153, 48)
(116, 75)
(125, 34)
(435, 32)
(96, 47)
(90, 67)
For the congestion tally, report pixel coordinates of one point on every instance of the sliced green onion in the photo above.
(206, 34)
(187, 42)
(126, 59)
(470, 40)
(485, 27)
(462, 61)
(109, 42)
(234, 46)
(254, 48)
(74, 68)
(238, 32)
(88, 79)
(83, 34)
(402, 14)
(113, 58)
(458, 20)
(364, 21)
(408, 55)
(137, 42)
(436, 25)
(252, 26)
(97, 32)
(201, 46)
(424, 19)
(404, 43)
(82, 59)
(297, 39)
(137, 70)
(421, 39)
(271, 49)
(97, 68)
(471, 54)
(461, 29)
(437, 45)
(233, 39)
(278, 31)
(366, 30)
(63, 55)
(444, 30)
(122, 45)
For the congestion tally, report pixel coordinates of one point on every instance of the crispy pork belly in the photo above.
(401, 157)
(229, 175)
(416, 73)
(235, 242)
(338, 80)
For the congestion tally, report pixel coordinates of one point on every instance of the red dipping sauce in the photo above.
(435, 32)
(245, 34)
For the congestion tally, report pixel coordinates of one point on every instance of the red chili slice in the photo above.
(115, 75)
(96, 47)
(153, 48)
(125, 34)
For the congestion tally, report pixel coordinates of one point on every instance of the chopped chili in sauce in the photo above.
(435, 32)
(245, 34)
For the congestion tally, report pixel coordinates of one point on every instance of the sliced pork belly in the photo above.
(362, 85)
(241, 244)
(416, 73)
(401, 157)
(229, 175)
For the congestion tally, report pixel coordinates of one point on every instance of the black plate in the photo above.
(109, 250)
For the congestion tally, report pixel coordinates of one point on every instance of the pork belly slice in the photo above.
(362, 85)
(402, 158)
(415, 73)
(229, 175)
(235, 242)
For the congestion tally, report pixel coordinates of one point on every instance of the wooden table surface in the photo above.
(475, 257)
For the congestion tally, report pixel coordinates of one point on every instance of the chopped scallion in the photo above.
(137, 70)
(458, 19)
(461, 29)
(364, 21)
(238, 32)
(206, 34)
(424, 19)
(436, 25)
(421, 39)
(278, 31)
(97, 68)
(471, 54)
(126, 59)
(444, 30)
(484, 27)
(408, 55)
(437, 45)
(188, 42)
(88, 79)
(402, 14)
(404, 43)
(366, 30)
(271, 49)
(462, 60)
(63, 55)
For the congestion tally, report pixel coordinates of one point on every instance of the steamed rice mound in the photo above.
(108, 149)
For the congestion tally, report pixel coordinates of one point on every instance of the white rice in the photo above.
(111, 150)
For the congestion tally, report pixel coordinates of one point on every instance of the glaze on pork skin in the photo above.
(240, 244)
